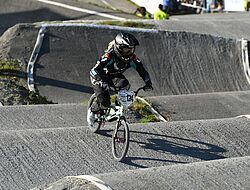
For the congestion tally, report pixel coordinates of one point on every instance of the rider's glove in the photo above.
(103, 84)
(148, 85)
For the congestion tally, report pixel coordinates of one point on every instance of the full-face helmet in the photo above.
(124, 46)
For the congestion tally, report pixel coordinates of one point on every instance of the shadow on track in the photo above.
(170, 145)
(39, 80)
(8, 20)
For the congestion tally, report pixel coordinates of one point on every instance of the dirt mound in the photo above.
(178, 62)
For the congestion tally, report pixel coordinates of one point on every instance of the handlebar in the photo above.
(137, 91)
(141, 88)
(113, 90)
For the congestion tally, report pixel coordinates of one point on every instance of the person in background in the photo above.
(160, 14)
(247, 5)
(220, 6)
(167, 6)
(171, 6)
(142, 12)
(208, 5)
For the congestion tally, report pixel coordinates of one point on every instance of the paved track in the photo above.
(42, 144)
(173, 108)
(42, 116)
(29, 11)
(228, 25)
(219, 174)
(203, 106)
(37, 156)
(178, 62)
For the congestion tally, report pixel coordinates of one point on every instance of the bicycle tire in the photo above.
(97, 125)
(121, 127)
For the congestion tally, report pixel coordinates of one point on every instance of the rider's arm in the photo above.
(98, 71)
(137, 65)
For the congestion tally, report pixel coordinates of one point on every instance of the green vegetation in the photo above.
(140, 109)
(13, 89)
(35, 98)
(143, 110)
(127, 24)
(9, 65)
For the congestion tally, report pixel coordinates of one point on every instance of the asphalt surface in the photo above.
(34, 157)
(172, 108)
(227, 25)
(42, 116)
(181, 176)
(199, 84)
(29, 11)
(219, 174)
(202, 106)
(178, 62)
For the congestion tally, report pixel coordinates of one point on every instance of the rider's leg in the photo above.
(103, 99)
(121, 82)
(98, 107)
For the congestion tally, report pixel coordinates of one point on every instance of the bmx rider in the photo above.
(109, 70)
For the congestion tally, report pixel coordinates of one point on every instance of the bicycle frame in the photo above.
(116, 112)
(125, 98)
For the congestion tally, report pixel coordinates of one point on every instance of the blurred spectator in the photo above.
(167, 5)
(247, 5)
(170, 6)
(142, 12)
(218, 7)
(160, 14)
(208, 5)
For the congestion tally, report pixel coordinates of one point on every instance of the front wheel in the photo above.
(94, 120)
(120, 139)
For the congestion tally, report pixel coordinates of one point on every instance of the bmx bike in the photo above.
(116, 112)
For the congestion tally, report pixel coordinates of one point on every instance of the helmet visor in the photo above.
(127, 51)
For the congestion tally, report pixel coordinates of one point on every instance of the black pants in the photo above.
(118, 81)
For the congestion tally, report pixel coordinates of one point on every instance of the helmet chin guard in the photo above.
(124, 46)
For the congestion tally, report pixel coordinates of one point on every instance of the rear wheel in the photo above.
(96, 121)
(120, 139)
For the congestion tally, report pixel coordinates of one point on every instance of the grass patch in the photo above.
(127, 24)
(9, 65)
(35, 98)
(140, 109)
(14, 88)
(143, 110)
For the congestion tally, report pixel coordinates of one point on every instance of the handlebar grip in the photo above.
(137, 91)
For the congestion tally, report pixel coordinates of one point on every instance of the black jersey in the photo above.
(109, 65)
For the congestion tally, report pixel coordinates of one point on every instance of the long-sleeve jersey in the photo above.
(109, 65)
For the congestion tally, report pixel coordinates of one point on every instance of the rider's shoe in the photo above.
(91, 117)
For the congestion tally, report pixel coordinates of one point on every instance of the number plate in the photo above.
(126, 97)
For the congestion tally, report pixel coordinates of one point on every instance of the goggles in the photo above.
(127, 51)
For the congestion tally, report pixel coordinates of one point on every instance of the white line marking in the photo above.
(99, 183)
(244, 116)
(245, 58)
(32, 60)
(81, 10)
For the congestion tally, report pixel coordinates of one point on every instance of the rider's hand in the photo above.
(103, 84)
(148, 86)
